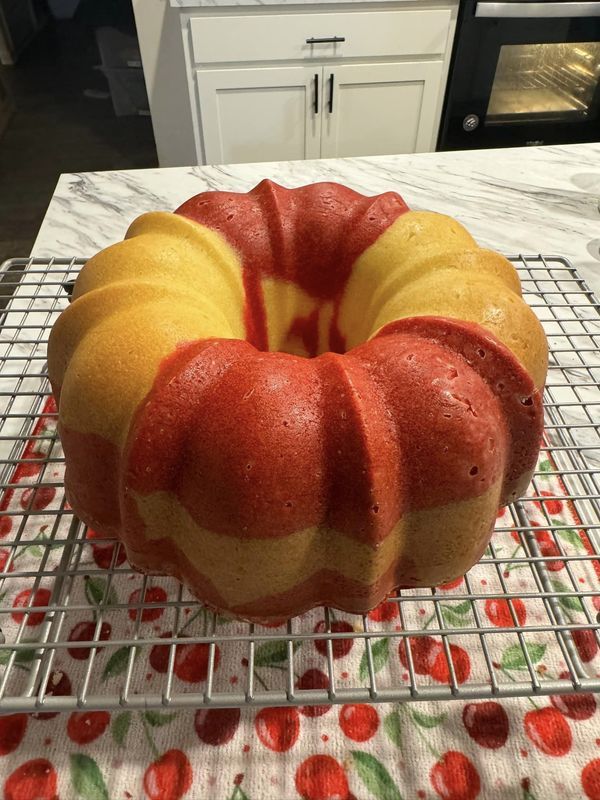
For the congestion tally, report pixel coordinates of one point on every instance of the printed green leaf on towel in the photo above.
(570, 602)
(272, 653)
(375, 776)
(428, 720)
(86, 778)
(380, 652)
(514, 658)
(120, 727)
(117, 663)
(392, 725)
(95, 591)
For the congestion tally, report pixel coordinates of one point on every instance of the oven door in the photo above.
(524, 73)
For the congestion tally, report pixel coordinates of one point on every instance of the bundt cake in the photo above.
(295, 397)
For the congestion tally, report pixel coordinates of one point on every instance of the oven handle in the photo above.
(537, 10)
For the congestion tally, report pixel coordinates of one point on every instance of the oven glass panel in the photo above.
(544, 81)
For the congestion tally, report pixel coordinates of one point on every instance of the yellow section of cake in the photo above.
(284, 302)
(171, 282)
(427, 264)
(116, 363)
(480, 299)
(441, 542)
(167, 250)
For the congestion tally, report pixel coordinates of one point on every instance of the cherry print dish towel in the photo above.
(522, 748)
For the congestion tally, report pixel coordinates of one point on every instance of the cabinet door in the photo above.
(268, 114)
(380, 109)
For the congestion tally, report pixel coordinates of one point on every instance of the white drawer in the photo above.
(365, 34)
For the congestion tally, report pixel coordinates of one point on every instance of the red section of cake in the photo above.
(364, 480)
(511, 449)
(254, 465)
(287, 234)
(429, 412)
(92, 479)
(307, 330)
(337, 340)
(255, 313)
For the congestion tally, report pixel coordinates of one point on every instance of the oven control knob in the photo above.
(470, 122)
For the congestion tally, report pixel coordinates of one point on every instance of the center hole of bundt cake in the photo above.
(312, 332)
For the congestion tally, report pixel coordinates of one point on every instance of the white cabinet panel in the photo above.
(259, 114)
(380, 109)
(365, 34)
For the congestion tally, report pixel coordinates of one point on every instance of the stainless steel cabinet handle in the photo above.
(326, 40)
(316, 92)
(331, 93)
(537, 10)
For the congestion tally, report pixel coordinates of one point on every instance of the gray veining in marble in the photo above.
(521, 200)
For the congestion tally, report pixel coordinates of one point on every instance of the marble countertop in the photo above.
(518, 200)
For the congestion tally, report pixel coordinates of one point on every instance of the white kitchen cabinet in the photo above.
(290, 113)
(380, 109)
(239, 84)
(264, 114)
(312, 36)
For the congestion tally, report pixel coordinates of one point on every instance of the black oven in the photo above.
(523, 73)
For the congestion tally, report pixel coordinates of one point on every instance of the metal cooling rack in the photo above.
(115, 673)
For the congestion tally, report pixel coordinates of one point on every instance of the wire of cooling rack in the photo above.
(81, 629)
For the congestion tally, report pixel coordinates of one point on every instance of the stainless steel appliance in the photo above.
(523, 73)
